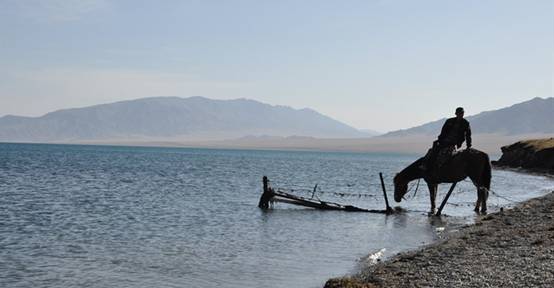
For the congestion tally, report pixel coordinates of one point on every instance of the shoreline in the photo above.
(530, 171)
(512, 248)
(415, 144)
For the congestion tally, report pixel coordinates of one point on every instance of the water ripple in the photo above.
(93, 216)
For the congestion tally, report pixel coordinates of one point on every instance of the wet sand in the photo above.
(510, 248)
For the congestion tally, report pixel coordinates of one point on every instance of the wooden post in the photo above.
(266, 195)
(446, 198)
(389, 209)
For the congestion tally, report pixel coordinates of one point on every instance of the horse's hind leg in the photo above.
(479, 200)
(484, 197)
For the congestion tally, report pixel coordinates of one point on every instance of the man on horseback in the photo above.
(454, 132)
(439, 167)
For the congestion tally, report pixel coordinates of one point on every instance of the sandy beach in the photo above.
(509, 248)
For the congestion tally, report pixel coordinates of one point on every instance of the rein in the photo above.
(409, 189)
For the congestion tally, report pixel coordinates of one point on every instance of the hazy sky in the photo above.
(371, 64)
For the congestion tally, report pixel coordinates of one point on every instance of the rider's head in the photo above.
(460, 112)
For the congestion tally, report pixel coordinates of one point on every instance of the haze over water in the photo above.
(100, 216)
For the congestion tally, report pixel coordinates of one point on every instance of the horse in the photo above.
(470, 163)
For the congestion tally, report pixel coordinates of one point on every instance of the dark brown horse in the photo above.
(468, 163)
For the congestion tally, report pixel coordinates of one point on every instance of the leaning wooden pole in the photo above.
(446, 198)
(389, 209)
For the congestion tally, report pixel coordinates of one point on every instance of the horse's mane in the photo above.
(414, 168)
(415, 165)
(418, 161)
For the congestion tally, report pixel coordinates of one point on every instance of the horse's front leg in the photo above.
(432, 196)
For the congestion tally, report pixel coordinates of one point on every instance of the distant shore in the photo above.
(510, 248)
(415, 144)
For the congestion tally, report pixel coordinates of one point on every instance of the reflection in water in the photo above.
(437, 221)
(400, 221)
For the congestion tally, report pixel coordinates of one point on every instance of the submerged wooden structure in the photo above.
(269, 195)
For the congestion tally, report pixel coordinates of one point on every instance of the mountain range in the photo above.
(533, 116)
(175, 119)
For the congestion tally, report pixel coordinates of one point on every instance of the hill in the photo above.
(533, 116)
(172, 118)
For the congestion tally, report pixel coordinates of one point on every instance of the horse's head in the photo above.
(400, 187)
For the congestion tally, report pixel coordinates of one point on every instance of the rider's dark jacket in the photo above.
(454, 132)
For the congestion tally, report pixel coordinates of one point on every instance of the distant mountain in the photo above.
(533, 116)
(172, 118)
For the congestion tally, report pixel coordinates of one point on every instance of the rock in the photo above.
(536, 154)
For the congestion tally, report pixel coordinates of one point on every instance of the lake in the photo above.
(106, 216)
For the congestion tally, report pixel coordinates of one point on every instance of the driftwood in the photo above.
(269, 195)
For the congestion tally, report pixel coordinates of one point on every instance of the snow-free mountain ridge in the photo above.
(533, 116)
(172, 118)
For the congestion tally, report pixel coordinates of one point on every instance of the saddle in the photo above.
(442, 156)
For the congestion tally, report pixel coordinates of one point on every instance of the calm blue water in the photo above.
(93, 216)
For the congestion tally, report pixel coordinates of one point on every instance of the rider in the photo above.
(454, 132)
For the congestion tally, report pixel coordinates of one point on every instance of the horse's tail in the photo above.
(486, 174)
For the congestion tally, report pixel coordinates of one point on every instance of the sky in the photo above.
(380, 64)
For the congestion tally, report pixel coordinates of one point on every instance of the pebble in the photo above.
(511, 248)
